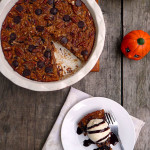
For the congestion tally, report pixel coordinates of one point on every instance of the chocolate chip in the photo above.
(64, 40)
(40, 28)
(31, 48)
(38, 12)
(19, 8)
(26, 72)
(40, 64)
(78, 3)
(15, 63)
(84, 53)
(13, 36)
(17, 19)
(80, 24)
(66, 18)
(54, 11)
(47, 54)
(49, 69)
(50, 2)
(11, 42)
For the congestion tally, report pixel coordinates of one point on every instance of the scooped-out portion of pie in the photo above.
(31, 28)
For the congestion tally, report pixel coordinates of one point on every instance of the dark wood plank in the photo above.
(107, 82)
(137, 73)
(26, 117)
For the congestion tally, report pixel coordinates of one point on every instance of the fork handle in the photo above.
(121, 146)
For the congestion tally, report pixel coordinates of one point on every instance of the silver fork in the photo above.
(113, 124)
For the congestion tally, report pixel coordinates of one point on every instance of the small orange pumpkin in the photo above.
(136, 44)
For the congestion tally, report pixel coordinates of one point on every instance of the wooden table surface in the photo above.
(27, 117)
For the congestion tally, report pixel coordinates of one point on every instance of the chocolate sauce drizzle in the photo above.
(113, 139)
(87, 143)
(103, 148)
(103, 138)
(79, 131)
(95, 125)
(98, 131)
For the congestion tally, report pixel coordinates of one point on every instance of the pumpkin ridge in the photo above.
(134, 34)
(145, 35)
(140, 33)
(137, 48)
(133, 37)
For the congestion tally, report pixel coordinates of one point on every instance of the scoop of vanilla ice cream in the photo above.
(98, 130)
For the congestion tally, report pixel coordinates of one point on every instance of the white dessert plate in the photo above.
(72, 141)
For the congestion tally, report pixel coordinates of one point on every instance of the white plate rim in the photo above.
(89, 99)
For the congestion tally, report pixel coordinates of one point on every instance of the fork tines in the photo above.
(109, 118)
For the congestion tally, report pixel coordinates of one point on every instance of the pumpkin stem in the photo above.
(141, 41)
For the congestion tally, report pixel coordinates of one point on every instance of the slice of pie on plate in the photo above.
(94, 126)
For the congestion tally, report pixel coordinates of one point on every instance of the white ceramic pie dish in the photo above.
(9, 73)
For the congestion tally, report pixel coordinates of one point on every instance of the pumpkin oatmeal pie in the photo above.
(31, 27)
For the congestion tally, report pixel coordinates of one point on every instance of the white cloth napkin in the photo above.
(53, 141)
